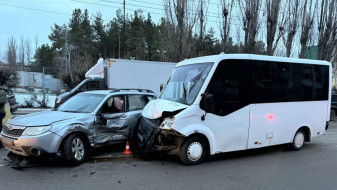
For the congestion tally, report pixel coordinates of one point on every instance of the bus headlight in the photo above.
(167, 123)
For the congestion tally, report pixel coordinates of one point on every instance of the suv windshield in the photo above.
(81, 103)
(185, 83)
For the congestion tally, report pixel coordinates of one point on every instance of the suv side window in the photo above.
(138, 102)
(115, 104)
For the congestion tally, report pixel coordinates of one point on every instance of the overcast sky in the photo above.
(30, 18)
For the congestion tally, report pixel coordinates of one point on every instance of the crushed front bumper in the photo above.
(150, 138)
(44, 144)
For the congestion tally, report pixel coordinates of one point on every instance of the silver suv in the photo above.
(88, 119)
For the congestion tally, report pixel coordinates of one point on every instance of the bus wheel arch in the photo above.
(204, 138)
(301, 136)
(307, 132)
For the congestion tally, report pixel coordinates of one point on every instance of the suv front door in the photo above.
(112, 122)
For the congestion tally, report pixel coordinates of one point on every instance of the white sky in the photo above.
(25, 18)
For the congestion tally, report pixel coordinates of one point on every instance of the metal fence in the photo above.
(35, 79)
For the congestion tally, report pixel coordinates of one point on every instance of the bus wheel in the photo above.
(298, 141)
(193, 151)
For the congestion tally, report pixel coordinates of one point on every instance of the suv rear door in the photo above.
(135, 106)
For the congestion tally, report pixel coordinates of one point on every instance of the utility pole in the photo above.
(43, 86)
(67, 52)
(124, 38)
(119, 46)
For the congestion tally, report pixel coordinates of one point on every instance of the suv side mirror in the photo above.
(162, 86)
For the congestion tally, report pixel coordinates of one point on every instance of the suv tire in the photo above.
(75, 149)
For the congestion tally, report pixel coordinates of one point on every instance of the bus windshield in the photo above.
(185, 83)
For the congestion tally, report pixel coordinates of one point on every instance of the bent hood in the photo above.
(43, 118)
(155, 108)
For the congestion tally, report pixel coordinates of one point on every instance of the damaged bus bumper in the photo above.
(149, 138)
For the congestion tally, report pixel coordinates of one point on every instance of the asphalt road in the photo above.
(314, 167)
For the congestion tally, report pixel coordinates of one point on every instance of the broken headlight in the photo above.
(167, 123)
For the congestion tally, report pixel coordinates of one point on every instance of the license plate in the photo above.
(9, 143)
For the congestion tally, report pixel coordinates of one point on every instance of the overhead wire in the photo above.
(54, 12)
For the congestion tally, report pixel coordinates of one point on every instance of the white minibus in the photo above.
(232, 102)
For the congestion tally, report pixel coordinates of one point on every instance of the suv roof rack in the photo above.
(132, 89)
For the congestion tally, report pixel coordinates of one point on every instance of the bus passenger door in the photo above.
(229, 117)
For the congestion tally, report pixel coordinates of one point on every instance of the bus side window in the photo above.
(229, 86)
(321, 83)
(307, 83)
(261, 81)
(280, 86)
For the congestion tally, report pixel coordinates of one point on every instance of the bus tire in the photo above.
(298, 141)
(193, 151)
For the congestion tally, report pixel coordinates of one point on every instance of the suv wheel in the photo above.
(75, 149)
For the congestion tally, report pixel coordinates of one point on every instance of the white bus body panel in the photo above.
(276, 123)
(255, 125)
(138, 74)
(225, 134)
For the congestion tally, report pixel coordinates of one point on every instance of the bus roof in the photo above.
(222, 56)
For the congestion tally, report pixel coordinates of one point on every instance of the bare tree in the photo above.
(327, 29)
(308, 14)
(292, 18)
(225, 22)
(203, 7)
(181, 16)
(36, 41)
(28, 50)
(274, 23)
(22, 52)
(250, 11)
(11, 51)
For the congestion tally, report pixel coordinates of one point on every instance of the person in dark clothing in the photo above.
(2, 108)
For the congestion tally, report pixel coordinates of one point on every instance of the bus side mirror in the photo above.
(162, 87)
(209, 103)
